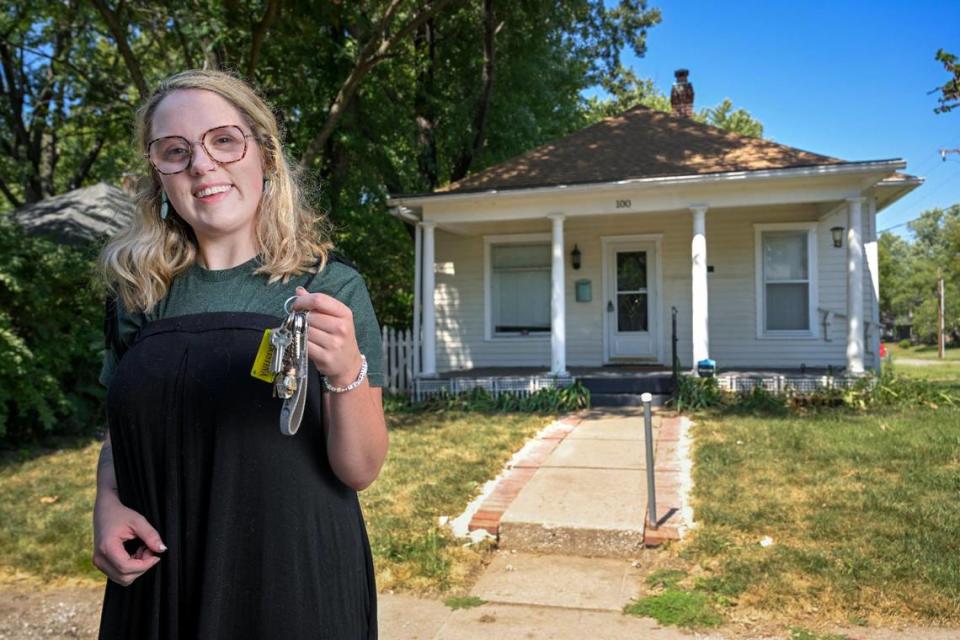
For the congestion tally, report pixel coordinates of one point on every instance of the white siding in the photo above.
(732, 303)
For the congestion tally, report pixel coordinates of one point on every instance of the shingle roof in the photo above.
(81, 215)
(638, 143)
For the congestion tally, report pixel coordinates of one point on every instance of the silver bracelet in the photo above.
(353, 385)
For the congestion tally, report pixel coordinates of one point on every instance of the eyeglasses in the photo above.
(173, 154)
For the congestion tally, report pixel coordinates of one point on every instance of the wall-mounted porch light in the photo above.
(575, 257)
(837, 236)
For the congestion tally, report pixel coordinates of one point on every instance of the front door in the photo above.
(630, 304)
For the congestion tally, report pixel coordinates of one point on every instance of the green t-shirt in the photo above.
(200, 290)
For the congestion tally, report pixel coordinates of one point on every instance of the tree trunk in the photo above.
(424, 116)
(375, 51)
(462, 165)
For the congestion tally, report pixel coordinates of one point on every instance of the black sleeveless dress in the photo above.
(263, 539)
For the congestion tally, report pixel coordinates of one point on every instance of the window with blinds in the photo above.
(520, 288)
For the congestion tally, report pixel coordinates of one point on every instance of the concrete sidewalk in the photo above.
(581, 488)
(408, 618)
(573, 546)
(570, 517)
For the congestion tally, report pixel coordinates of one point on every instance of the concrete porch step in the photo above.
(658, 383)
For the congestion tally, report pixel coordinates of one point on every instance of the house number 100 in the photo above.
(623, 204)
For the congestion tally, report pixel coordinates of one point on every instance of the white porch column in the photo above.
(417, 272)
(873, 266)
(558, 327)
(429, 317)
(700, 318)
(854, 286)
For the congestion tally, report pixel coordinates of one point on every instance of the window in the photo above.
(520, 286)
(786, 278)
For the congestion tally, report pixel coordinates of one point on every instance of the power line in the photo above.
(897, 226)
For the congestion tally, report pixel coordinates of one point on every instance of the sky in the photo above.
(848, 78)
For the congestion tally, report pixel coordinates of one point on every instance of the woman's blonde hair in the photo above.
(142, 260)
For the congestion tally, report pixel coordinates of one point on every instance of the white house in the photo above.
(574, 255)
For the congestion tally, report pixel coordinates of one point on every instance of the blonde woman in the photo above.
(208, 521)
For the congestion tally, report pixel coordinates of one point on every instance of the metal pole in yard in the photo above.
(647, 399)
(940, 314)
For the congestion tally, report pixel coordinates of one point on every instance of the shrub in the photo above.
(759, 400)
(904, 344)
(553, 400)
(693, 393)
(51, 338)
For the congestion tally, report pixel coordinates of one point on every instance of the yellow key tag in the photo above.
(261, 364)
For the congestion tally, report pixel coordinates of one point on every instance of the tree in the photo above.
(950, 91)
(894, 263)
(626, 90)
(909, 272)
(379, 97)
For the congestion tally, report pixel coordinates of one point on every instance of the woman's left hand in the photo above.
(331, 338)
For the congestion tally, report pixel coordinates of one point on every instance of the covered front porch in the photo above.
(625, 319)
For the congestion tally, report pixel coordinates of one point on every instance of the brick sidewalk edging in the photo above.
(488, 516)
(668, 472)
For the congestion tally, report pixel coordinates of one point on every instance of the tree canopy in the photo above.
(909, 272)
(378, 97)
(949, 97)
(626, 90)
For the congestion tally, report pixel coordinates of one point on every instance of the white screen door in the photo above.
(630, 318)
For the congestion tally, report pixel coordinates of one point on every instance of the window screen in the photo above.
(786, 279)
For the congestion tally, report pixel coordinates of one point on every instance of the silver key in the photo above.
(280, 339)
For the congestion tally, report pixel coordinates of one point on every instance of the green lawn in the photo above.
(863, 512)
(922, 352)
(946, 375)
(437, 463)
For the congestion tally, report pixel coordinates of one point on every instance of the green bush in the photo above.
(868, 392)
(693, 393)
(51, 338)
(553, 400)
(904, 344)
(759, 400)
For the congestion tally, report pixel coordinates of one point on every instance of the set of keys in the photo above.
(288, 362)
(282, 361)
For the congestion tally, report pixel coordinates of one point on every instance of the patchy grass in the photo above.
(437, 463)
(862, 510)
(688, 609)
(464, 602)
(46, 509)
(665, 578)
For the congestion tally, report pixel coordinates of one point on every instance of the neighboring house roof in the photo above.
(81, 215)
(638, 143)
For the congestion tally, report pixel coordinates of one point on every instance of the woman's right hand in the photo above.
(114, 524)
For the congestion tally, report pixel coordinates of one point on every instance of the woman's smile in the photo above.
(210, 193)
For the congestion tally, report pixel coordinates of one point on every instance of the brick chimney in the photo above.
(681, 96)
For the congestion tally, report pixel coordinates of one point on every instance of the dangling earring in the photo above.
(266, 181)
(164, 205)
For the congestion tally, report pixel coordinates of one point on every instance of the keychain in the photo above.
(282, 360)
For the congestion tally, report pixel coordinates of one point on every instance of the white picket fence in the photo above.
(397, 359)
